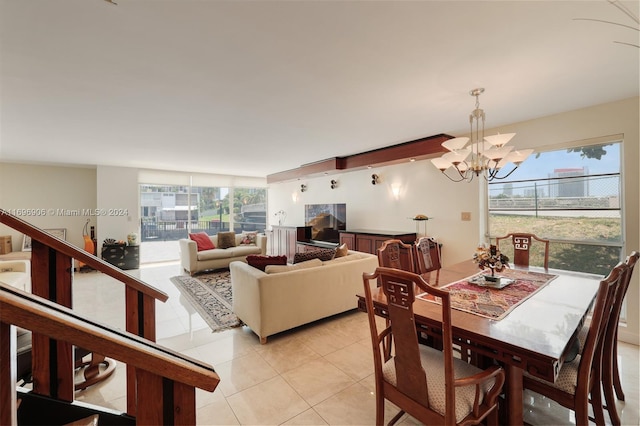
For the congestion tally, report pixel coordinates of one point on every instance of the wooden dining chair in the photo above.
(397, 254)
(427, 253)
(520, 245)
(610, 372)
(578, 381)
(426, 383)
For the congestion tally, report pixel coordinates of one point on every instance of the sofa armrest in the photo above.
(13, 266)
(261, 241)
(188, 254)
(245, 287)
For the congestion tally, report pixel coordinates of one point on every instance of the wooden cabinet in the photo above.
(282, 240)
(122, 256)
(369, 241)
(5, 244)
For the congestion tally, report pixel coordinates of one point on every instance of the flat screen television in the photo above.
(326, 220)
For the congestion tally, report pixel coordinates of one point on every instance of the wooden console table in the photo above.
(369, 241)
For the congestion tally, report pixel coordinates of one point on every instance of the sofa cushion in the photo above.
(226, 239)
(202, 241)
(249, 239)
(322, 254)
(261, 262)
(214, 254)
(243, 250)
(273, 269)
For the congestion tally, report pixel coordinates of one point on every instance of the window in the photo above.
(170, 212)
(570, 196)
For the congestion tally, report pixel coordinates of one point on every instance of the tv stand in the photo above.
(369, 241)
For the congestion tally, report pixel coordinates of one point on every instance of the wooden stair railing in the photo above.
(52, 278)
(166, 380)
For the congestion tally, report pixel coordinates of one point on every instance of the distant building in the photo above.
(168, 206)
(571, 182)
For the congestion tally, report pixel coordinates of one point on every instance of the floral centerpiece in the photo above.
(490, 257)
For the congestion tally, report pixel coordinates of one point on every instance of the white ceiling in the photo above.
(257, 87)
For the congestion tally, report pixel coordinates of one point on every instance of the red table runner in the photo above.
(493, 303)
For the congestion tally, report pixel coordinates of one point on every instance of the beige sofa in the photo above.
(16, 274)
(194, 261)
(273, 302)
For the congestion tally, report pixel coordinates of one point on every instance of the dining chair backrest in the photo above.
(400, 362)
(520, 245)
(610, 373)
(427, 251)
(576, 390)
(397, 254)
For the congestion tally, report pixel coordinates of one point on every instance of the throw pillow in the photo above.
(260, 262)
(322, 254)
(202, 241)
(342, 250)
(249, 239)
(226, 239)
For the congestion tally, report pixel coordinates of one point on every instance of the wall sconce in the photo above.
(294, 197)
(334, 184)
(303, 187)
(375, 179)
(395, 190)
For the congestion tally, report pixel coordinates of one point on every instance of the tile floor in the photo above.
(315, 375)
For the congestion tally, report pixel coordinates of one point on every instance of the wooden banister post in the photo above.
(140, 319)
(162, 401)
(8, 379)
(52, 360)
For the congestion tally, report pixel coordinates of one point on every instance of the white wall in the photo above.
(118, 203)
(425, 191)
(57, 191)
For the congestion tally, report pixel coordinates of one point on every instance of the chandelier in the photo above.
(483, 155)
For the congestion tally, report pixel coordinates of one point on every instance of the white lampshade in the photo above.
(517, 157)
(455, 143)
(456, 157)
(500, 139)
(497, 154)
(441, 163)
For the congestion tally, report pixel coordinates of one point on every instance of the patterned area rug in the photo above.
(493, 303)
(211, 296)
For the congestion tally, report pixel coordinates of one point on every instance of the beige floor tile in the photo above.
(356, 360)
(271, 402)
(354, 405)
(243, 372)
(216, 413)
(230, 346)
(308, 418)
(317, 380)
(284, 355)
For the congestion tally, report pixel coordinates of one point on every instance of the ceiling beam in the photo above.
(418, 149)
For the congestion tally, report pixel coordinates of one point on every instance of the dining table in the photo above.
(533, 337)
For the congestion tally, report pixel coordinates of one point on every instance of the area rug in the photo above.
(211, 296)
(492, 302)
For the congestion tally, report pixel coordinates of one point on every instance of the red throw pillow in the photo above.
(202, 241)
(260, 262)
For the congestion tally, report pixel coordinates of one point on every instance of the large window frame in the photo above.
(580, 211)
